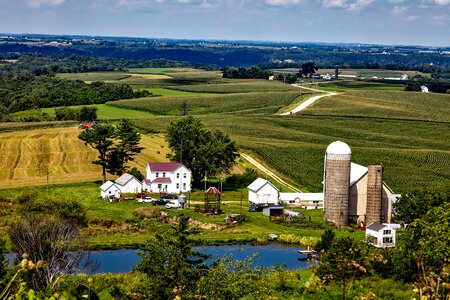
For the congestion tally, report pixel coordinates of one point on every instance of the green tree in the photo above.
(127, 146)
(413, 87)
(344, 261)
(308, 69)
(201, 151)
(326, 241)
(88, 114)
(100, 137)
(170, 263)
(136, 173)
(414, 205)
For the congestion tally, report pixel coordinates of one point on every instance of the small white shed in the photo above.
(128, 183)
(380, 235)
(262, 191)
(109, 189)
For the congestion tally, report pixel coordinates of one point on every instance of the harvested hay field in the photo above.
(27, 156)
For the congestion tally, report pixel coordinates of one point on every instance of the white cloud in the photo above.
(411, 18)
(282, 2)
(39, 3)
(442, 2)
(398, 10)
(347, 4)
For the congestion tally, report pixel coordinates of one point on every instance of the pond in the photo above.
(122, 260)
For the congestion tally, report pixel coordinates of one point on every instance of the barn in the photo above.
(262, 191)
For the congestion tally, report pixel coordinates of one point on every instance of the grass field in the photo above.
(169, 92)
(107, 112)
(26, 156)
(247, 86)
(386, 104)
(212, 228)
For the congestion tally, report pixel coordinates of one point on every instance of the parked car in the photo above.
(160, 202)
(141, 195)
(173, 204)
(256, 207)
(146, 200)
(168, 196)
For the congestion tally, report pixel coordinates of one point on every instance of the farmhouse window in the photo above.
(178, 185)
(157, 174)
(159, 185)
(178, 175)
(387, 240)
(387, 231)
(184, 175)
(184, 186)
(164, 174)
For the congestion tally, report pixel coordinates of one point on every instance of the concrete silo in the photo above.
(374, 194)
(337, 182)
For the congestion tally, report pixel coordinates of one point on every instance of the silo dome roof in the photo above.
(339, 147)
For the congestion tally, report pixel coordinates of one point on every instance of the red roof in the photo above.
(164, 166)
(212, 190)
(162, 180)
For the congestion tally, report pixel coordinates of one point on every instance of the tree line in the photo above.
(25, 91)
(51, 64)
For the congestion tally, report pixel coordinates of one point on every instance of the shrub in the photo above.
(242, 179)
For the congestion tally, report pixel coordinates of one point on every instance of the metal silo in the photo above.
(337, 182)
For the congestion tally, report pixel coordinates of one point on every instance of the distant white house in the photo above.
(127, 183)
(381, 235)
(305, 200)
(262, 191)
(109, 190)
(424, 89)
(167, 177)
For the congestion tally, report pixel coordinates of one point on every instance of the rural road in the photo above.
(308, 102)
(268, 172)
(293, 111)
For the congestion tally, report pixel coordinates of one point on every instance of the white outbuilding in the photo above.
(127, 183)
(262, 191)
(381, 235)
(305, 200)
(109, 190)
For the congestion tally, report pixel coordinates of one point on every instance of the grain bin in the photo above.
(337, 182)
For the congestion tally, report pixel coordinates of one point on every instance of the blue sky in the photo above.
(412, 22)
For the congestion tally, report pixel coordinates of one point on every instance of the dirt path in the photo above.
(268, 172)
(308, 102)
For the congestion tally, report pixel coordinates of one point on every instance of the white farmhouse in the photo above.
(262, 191)
(127, 183)
(109, 190)
(167, 177)
(380, 235)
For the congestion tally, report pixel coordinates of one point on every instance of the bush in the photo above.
(242, 179)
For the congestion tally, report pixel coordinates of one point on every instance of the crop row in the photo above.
(205, 104)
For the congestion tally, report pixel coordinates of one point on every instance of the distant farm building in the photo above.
(109, 190)
(127, 183)
(305, 200)
(354, 194)
(262, 191)
(424, 89)
(380, 235)
(167, 177)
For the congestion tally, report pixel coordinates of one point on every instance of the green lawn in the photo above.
(107, 112)
(119, 235)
